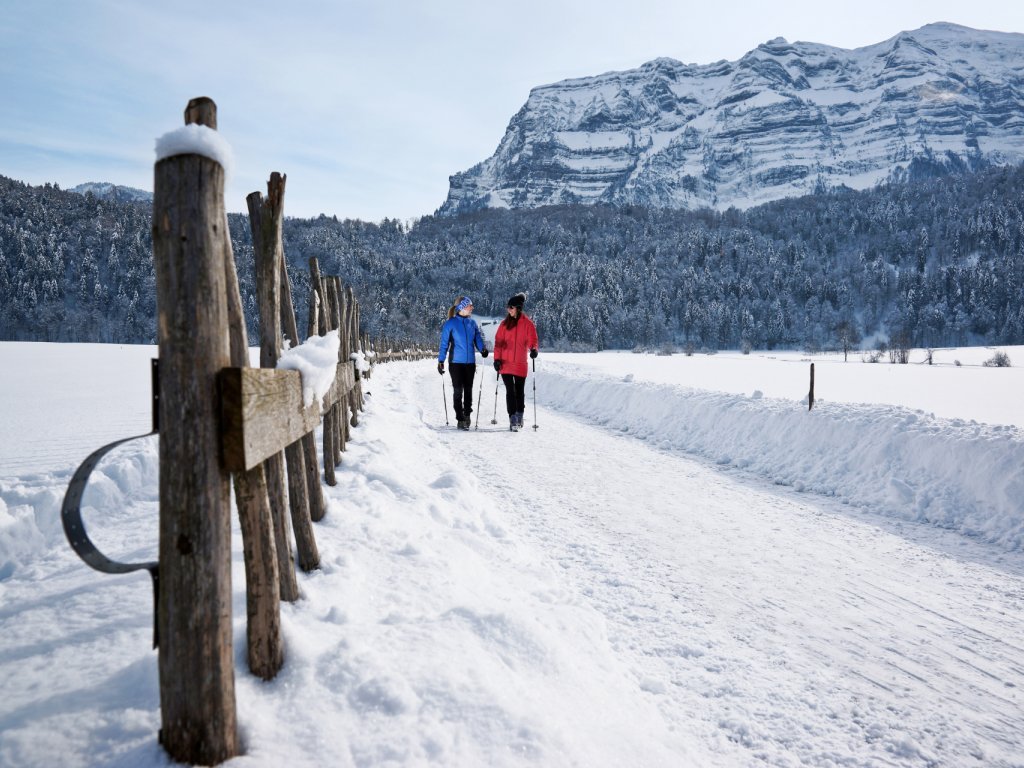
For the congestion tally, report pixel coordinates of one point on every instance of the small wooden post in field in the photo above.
(196, 664)
(810, 395)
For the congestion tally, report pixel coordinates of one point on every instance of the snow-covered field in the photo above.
(681, 566)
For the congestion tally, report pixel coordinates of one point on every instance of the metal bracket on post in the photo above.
(74, 527)
(71, 513)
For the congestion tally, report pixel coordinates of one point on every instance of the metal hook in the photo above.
(74, 527)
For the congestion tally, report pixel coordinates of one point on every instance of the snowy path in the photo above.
(778, 626)
(574, 596)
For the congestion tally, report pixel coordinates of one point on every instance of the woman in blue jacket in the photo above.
(460, 338)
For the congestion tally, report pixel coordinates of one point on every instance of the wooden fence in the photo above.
(221, 421)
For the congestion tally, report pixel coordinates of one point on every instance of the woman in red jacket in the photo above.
(516, 337)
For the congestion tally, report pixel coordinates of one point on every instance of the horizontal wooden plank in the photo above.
(262, 411)
(343, 383)
(261, 414)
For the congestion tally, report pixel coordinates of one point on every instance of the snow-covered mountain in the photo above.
(786, 119)
(106, 191)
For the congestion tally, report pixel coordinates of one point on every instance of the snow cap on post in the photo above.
(199, 137)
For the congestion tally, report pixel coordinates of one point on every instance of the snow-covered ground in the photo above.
(681, 566)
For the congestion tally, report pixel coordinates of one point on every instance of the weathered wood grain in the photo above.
(337, 316)
(262, 412)
(265, 220)
(196, 670)
(274, 470)
(265, 644)
(306, 459)
(356, 395)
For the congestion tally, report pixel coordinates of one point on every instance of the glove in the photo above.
(533, 353)
(485, 352)
(440, 368)
(497, 365)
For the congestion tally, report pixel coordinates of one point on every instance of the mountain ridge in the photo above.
(785, 119)
(104, 190)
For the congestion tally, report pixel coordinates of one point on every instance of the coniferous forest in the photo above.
(937, 261)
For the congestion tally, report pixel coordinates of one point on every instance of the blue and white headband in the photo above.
(466, 302)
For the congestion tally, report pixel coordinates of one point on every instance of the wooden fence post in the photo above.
(270, 256)
(265, 650)
(317, 326)
(316, 310)
(314, 491)
(340, 436)
(268, 251)
(810, 394)
(190, 239)
(316, 303)
(356, 398)
(318, 288)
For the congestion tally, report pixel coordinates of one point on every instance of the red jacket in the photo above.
(512, 346)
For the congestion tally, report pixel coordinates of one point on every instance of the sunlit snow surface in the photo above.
(681, 566)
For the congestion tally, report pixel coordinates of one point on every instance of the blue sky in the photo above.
(368, 105)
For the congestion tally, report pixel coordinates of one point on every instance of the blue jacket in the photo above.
(458, 337)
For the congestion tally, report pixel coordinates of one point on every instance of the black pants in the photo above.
(462, 388)
(515, 393)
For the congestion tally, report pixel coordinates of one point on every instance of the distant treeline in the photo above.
(938, 261)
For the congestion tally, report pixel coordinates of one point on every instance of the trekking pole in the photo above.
(494, 419)
(444, 399)
(479, 399)
(533, 362)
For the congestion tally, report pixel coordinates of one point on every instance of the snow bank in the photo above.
(316, 359)
(896, 461)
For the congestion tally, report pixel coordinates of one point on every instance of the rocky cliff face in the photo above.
(786, 119)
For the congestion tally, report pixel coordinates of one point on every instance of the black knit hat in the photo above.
(517, 301)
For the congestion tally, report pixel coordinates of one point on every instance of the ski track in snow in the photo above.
(783, 628)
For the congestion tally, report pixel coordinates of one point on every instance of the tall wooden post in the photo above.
(356, 397)
(306, 449)
(267, 222)
(317, 505)
(190, 238)
(313, 326)
(314, 502)
(323, 328)
(338, 309)
(265, 219)
(317, 284)
(265, 651)
(810, 394)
